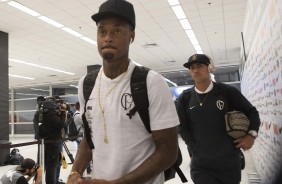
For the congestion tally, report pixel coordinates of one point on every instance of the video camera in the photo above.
(56, 104)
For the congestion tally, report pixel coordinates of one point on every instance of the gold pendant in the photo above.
(201, 104)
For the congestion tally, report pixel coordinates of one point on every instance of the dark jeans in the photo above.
(203, 176)
(52, 154)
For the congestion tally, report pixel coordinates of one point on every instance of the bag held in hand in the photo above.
(237, 124)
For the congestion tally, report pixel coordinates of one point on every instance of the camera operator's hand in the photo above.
(39, 172)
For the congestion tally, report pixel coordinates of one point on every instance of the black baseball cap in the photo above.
(197, 58)
(120, 8)
(26, 164)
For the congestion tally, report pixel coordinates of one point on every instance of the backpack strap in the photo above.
(138, 85)
(88, 85)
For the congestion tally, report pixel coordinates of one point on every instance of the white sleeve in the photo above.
(161, 105)
(80, 95)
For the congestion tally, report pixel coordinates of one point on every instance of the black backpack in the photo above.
(14, 158)
(138, 87)
(72, 131)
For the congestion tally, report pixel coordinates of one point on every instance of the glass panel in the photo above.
(31, 92)
(24, 117)
(25, 104)
(65, 89)
(24, 129)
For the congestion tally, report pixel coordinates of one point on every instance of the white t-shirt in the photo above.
(129, 141)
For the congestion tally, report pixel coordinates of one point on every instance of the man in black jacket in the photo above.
(215, 157)
(51, 118)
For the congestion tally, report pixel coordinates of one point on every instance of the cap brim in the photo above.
(188, 64)
(98, 16)
(19, 168)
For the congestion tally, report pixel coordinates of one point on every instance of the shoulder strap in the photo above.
(75, 114)
(138, 85)
(88, 85)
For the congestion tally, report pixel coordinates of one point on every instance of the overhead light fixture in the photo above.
(173, 2)
(23, 8)
(50, 21)
(178, 11)
(89, 40)
(185, 24)
(74, 86)
(22, 77)
(136, 63)
(190, 33)
(36, 89)
(27, 94)
(40, 66)
(194, 41)
(180, 14)
(70, 31)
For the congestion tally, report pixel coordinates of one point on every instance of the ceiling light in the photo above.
(194, 41)
(178, 11)
(197, 47)
(50, 21)
(73, 86)
(190, 33)
(27, 94)
(23, 8)
(70, 31)
(89, 40)
(56, 70)
(40, 66)
(36, 89)
(173, 2)
(180, 14)
(136, 63)
(22, 77)
(185, 24)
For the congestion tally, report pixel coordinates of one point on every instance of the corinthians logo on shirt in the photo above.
(126, 101)
(220, 104)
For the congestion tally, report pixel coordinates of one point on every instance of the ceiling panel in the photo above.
(216, 23)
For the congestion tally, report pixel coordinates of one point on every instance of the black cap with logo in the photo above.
(197, 58)
(120, 8)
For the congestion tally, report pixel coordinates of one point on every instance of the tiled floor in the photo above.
(31, 152)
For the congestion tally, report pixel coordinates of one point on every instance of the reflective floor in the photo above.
(31, 152)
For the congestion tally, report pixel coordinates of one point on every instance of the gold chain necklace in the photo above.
(201, 103)
(102, 107)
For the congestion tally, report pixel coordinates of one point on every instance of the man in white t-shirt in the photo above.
(125, 152)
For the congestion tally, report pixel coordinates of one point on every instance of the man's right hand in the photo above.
(39, 172)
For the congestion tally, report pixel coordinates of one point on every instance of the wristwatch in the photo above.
(253, 133)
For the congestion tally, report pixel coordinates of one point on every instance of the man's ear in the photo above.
(132, 36)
